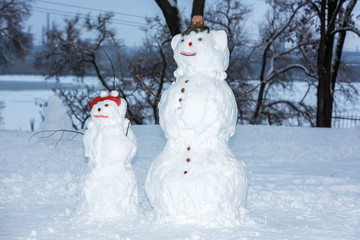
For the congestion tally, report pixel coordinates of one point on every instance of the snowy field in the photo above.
(304, 184)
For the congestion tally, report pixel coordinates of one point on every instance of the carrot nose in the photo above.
(190, 43)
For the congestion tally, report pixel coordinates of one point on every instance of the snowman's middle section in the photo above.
(198, 106)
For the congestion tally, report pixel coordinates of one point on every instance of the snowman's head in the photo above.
(108, 110)
(200, 51)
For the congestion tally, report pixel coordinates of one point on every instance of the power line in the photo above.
(72, 15)
(81, 14)
(93, 9)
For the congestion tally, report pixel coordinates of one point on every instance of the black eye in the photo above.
(200, 39)
(182, 40)
(106, 105)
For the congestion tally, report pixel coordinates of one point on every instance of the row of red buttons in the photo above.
(188, 148)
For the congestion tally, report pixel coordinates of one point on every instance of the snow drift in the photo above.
(304, 183)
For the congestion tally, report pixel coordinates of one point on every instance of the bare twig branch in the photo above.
(297, 47)
(132, 117)
(112, 65)
(152, 93)
(72, 138)
(53, 132)
(293, 66)
(253, 88)
(347, 29)
(61, 137)
(314, 6)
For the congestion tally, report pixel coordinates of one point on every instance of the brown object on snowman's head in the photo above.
(197, 25)
(197, 21)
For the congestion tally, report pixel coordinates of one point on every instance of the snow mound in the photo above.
(304, 183)
(55, 116)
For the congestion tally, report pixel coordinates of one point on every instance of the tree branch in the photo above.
(335, 13)
(293, 66)
(294, 48)
(346, 29)
(286, 24)
(172, 17)
(98, 73)
(315, 7)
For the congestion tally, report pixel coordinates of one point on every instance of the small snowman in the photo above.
(109, 190)
(196, 179)
(55, 115)
(56, 118)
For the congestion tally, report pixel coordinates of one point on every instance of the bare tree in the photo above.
(155, 64)
(67, 51)
(286, 37)
(76, 50)
(14, 41)
(335, 19)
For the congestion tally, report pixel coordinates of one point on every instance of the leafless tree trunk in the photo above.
(172, 15)
(335, 20)
(198, 8)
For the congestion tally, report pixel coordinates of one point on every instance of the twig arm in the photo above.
(52, 132)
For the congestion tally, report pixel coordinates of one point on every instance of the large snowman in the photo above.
(109, 190)
(196, 179)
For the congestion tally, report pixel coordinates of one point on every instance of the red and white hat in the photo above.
(105, 96)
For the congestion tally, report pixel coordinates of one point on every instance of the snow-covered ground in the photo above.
(304, 184)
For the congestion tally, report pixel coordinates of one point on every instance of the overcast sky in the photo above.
(130, 15)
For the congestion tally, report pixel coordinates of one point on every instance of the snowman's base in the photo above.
(209, 189)
(219, 221)
(110, 194)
